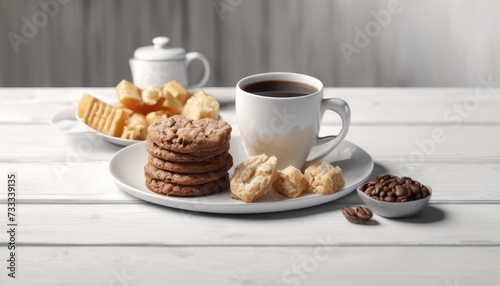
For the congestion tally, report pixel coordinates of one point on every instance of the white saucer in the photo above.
(126, 169)
(67, 122)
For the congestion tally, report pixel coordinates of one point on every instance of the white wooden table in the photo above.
(76, 227)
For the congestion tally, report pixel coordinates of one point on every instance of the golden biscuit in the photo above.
(154, 116)
(323, 178)
(103, 117)
(128, 94)
(177, 90)
(136, 127)
(118, 122)
(84, 102)
(171, 105)
(253, 177)
(290, 182)
(152, 94)
(201, 105)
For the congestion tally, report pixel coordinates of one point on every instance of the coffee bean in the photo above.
(401, 191)
(369, 190)
(393, 184)
(391, 188)
(364, 213)
(386, 176)
(348, 211)
(415, 189)
(359, 216)
(425, 191)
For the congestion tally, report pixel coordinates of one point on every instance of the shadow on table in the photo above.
(429, 215)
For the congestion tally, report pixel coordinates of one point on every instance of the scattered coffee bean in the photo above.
(364, 213)
(390, 188)
(359, 216)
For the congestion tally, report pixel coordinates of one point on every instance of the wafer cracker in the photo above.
(84, 103)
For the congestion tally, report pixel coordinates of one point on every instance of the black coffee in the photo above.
(279, 88)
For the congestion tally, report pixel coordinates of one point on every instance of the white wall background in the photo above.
(429, 43)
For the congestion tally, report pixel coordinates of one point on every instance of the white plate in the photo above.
(126, 168)
(69, 123)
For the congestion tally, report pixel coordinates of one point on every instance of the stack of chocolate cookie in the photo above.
(188, 157)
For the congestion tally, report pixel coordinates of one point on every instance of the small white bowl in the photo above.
(394, 209)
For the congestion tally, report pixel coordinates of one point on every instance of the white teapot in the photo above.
(159, 64)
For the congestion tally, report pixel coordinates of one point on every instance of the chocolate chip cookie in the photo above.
(168, 155)
(169, 189)
(185, 179)
(215, 163)
(183, 135)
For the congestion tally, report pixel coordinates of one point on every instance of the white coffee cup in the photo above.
(288, 127)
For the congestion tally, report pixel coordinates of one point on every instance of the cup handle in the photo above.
(324, 145)
(206, 66)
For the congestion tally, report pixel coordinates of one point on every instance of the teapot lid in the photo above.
(159, 51)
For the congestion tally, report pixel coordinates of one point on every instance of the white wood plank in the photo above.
(319, 265)
(43, 142)
(413, 144)
(88, 182)
(369, 105)
(147, 224)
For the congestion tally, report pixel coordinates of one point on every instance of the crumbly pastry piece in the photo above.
(201, 105)
(323, 178)
(183, 135)
(170, 189)
(290, 182)
(168, 155)
(170, 104)
(211, 164)
(177, 90)
(253, 177)
(185, 178)
(128, 94)
(152, 94)
(136, 127)
(154, 116)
